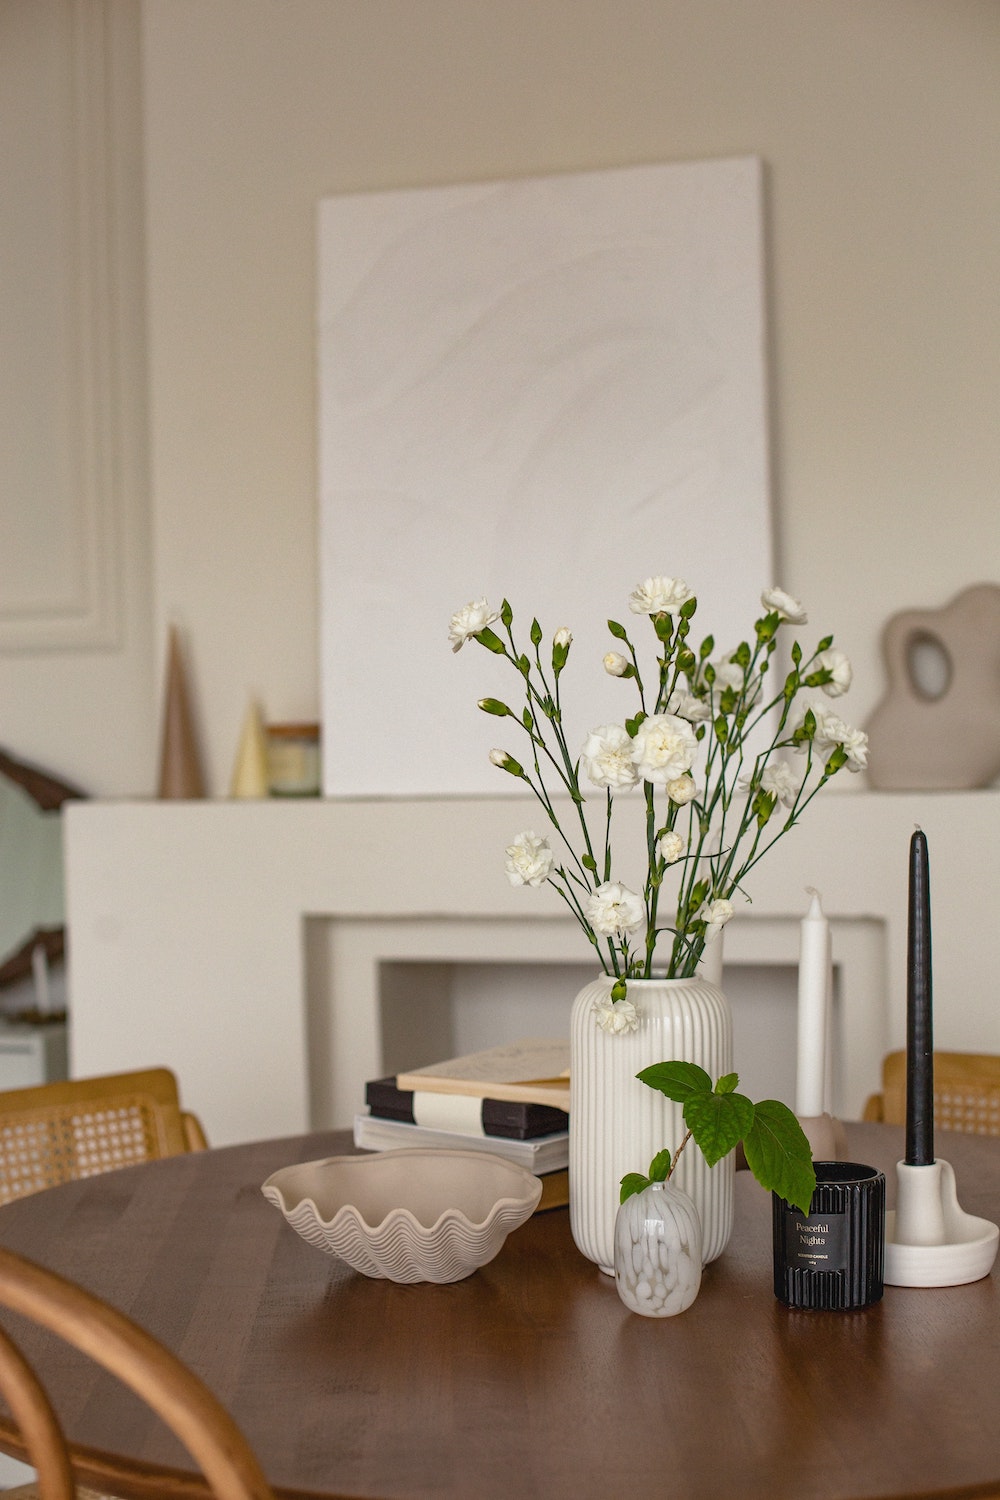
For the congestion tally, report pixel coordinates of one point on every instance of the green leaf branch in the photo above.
(718, 1119)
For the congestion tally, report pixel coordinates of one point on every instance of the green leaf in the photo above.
(618, 631)
(659, 1167)
(718, 1122)
(632, 1182)
(778, 1154)
(727, 1083)
(680, 1081)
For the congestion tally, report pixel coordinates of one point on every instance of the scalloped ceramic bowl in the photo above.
(407, 1215)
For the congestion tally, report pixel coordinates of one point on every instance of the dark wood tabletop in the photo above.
(528, 1381)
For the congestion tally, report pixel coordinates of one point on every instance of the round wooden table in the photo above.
(528, 1381)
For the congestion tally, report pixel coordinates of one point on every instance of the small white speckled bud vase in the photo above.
(658, 1251)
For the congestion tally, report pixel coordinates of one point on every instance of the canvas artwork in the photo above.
(548, 390)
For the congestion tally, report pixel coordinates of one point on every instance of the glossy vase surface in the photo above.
(658, 1251)
(617, 1124)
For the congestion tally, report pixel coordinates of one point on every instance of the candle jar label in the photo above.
(816, 1240)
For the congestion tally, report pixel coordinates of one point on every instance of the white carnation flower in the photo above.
(528, 859)
(781, 782)
(788, 608)
(836, 662)
(659, 596)
(663, 748)
(671, 846)
(831, 731)
(469, 620)
(687, 706)
(728, 673)
(616, 1017)
(715, 916)
(613, 910)
(615, 664)
(562, 638)
(606, 757)
(682, 790)
(778, 779)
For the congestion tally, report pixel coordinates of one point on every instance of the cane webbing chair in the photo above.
(58, 1132)
(966, 1092)
(114, 1341)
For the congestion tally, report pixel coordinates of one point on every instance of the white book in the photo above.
(546, 1153)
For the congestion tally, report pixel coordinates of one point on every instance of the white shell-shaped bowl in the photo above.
(407, 1215)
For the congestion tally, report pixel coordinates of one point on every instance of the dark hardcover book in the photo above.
(500, 1117)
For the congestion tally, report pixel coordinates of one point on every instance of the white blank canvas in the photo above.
(546, 389)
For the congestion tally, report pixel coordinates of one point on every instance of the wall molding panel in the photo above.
(60, 554)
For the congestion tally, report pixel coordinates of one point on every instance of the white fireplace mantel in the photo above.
(188, 926)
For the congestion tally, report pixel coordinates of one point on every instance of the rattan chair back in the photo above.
(966, 1092)
(58, 1132)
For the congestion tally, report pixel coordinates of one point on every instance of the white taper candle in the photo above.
(814, 1001)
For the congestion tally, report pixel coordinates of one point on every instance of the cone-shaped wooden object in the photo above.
(180, 767)
(249, 777)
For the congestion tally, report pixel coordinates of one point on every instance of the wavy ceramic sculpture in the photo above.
(407, 1215)
(944, 735)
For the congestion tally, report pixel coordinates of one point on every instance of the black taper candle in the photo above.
(919, 1008)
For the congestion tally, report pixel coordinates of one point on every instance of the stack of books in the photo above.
(512, 1101)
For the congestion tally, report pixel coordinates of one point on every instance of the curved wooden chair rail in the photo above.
(966, 1092)
(59, 1132)
(156, 1375)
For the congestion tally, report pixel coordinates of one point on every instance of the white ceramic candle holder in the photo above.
(826, 1136)
(929, 1239)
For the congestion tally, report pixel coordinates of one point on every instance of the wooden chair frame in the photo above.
(114, 1341)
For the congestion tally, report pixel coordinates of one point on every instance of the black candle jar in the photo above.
(834, 1256)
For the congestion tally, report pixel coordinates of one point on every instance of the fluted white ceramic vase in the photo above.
(658, 1253)
(617, 1124)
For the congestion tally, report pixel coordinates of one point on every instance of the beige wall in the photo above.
(878, 125)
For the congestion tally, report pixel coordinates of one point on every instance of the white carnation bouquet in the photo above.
(723, 757)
